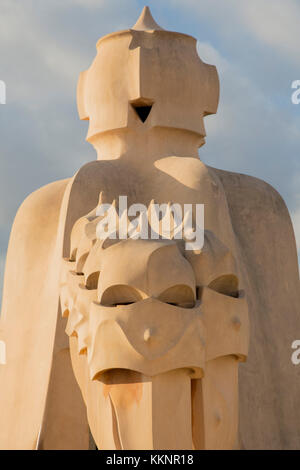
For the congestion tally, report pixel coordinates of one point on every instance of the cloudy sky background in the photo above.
(44, 44)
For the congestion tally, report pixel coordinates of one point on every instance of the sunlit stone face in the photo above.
(156, 330)
(117, 92)
(136, 306)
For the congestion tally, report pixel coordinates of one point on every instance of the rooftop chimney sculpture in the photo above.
(133, 340)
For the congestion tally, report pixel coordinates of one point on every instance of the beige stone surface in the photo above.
(156, 332)
(269, 382)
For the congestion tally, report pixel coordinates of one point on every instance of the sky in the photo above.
(44, 44)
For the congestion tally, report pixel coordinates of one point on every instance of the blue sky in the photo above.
(44, 44)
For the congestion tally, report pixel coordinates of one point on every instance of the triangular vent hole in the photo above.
(142, 111)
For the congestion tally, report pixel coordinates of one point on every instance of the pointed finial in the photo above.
(146, 22)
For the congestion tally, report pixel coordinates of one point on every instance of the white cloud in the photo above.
(32, 54)
(274, 22)
(238, 23)
(250, 134)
